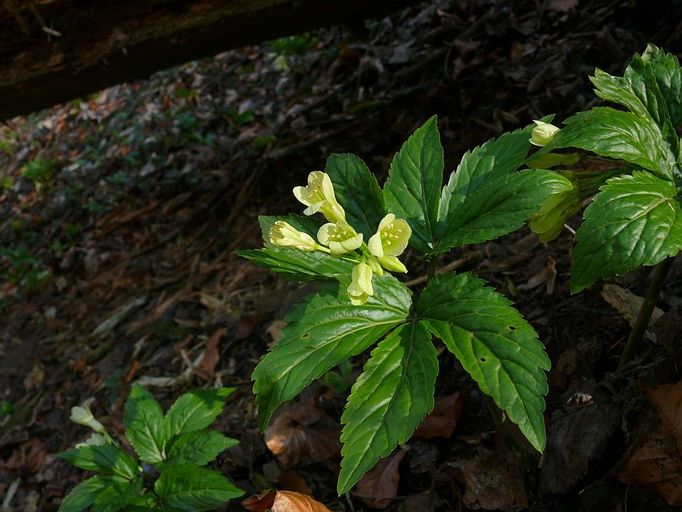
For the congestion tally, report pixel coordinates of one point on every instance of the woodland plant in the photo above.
(172, 451)
(353, 253)
(635, 217)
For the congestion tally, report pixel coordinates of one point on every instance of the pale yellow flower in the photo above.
(340, 238)
(389, 242)
(360, 288)
(319, 196)
(83, 416)
(285, 235)
(543, 133)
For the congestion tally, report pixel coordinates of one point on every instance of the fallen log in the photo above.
(56, 50)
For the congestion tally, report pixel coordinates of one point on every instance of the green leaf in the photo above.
(308, 225)
(620, 135)
(634, 220)
(494, 344)
(199, 447)
(500, 206)
(412, 190)
(322, 331)
(299, 265)
(388, 401)
(491, 160)
(117, 496)
(189, 487)
(618, 90)
(105, 458)
(196, 410)
(357, 190)
(666, 68)
(145, 426)
(84, 494)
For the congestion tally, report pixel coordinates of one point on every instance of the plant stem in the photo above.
(642, 321)
(431, 270)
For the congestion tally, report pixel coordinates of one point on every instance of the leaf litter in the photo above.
(120, 213)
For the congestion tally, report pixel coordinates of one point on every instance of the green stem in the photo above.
(642, 321)
(431, 270)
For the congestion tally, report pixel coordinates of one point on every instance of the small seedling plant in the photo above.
(359, 304)
(635, 218)
(172, 451)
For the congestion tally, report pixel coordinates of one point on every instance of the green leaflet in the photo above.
(358, 192)
(491, 160)
(298, 265)
(196, 410)
(618, 90)
(84, 494)
(666, 68)
(412, 190)
(117, 496)
(633, 221)
(323, 331)
(621, 135)
(499, 206)
(105, 458)
(145, 426)
(388, 401)
(494, 344)
(188, 487)
(199, 447)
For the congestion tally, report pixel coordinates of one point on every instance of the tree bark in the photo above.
(56, 50)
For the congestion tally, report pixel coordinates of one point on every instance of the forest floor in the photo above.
(120, 215)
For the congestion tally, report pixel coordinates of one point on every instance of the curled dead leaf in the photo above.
(493, 480)
(283, 501)
(656, 462)
(378, 487)
(301, 432)
(441, 422)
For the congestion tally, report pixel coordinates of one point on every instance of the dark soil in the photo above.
(121, 212)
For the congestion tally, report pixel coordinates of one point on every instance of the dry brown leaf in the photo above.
(378, 487)
(292, 481)
(283, 501)
(443, 419)
(302, 432)
(493, 480)
(29, 457)
(206, 368)
(260, 502)
(656, 464)
(289, 501)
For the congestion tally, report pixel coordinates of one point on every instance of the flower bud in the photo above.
(284, 234)
(83, 416)
(360, 288)
(543, 133)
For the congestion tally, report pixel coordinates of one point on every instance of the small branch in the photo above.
(642, 321)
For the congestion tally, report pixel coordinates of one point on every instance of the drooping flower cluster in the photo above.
(338, 238)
